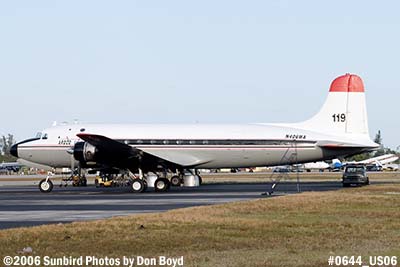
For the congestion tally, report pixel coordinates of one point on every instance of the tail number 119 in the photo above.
(339, 117)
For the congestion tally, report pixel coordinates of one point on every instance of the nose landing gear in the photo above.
(46, 185)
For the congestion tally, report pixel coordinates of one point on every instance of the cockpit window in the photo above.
(39, 135)
(45, 136)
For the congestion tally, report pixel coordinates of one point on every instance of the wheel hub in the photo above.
(136, 186)
(45, 186)
(160, 185)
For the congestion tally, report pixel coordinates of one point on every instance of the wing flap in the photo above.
(178, 157)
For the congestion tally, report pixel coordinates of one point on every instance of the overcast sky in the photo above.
(193, 61)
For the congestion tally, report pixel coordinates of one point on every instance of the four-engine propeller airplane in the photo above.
(339, 129)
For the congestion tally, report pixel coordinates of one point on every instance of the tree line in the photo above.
(6, 143)
(382, 150)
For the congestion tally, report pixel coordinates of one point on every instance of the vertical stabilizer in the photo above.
(344, 111)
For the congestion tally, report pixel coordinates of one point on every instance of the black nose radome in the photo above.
(14, 150)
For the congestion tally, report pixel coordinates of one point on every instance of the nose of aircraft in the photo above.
(14, 150)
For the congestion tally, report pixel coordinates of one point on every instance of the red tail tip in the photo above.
(347, 83)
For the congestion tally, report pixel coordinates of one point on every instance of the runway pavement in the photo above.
(22, 205)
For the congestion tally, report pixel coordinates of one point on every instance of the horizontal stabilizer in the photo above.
(338, 145)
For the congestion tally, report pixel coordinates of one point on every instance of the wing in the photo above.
(112, 153)
(109, 145)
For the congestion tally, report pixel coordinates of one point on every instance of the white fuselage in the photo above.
(195, 145)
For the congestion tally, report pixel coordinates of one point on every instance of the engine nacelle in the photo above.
(92, 156)
(85, 152)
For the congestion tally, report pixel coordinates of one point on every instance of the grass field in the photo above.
(295, 230)
(292, 177)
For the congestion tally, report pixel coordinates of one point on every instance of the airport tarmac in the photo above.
(23, 205)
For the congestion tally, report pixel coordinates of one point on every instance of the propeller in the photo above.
(71, 152)
(72, 161)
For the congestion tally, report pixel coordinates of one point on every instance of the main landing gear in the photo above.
(176, 180)
(161, 183)
(141, 183)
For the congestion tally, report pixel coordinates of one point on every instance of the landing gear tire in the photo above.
(46, 186)
(138, 186)
(200, 180)
(161, 185)
(175, 181)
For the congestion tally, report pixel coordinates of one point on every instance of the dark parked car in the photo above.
(374, 168)
(355, 175)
